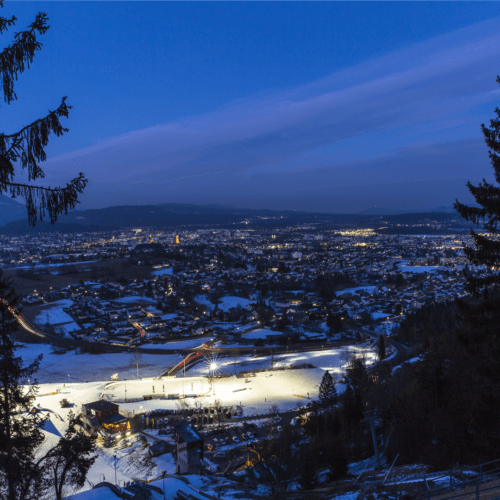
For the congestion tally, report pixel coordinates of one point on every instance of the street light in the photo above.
(114, 456)
(212, 367)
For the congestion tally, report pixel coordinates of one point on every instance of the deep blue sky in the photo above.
(326, 106)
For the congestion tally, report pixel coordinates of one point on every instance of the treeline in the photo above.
(425, 325)
(442, 408)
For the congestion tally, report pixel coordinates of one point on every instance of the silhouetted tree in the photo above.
(24, 149)
(327, 391)
(20, 434)
(486, 249)
(70, 460)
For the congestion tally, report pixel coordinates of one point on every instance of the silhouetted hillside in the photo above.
(177, 215)
(11, 210)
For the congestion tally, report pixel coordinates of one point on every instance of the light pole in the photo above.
(114, 456)
(212, 367)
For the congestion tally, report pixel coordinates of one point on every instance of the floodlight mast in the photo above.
(211, 368)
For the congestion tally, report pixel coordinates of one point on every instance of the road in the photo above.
(195, 355)
(402, 352)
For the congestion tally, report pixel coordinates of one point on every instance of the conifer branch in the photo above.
(27, 145)
(55, 201)
(16, 58)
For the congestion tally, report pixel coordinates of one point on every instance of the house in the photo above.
(158, 448)
(189, 449)
(103, 413)
(100, 409)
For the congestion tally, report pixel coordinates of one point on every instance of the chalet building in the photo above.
(103, 413)
(100, 409)
(189, 449)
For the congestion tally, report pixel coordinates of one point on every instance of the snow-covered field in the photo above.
(163, 271)
(83, 367)
(55, 313)
(364, 288)
(178, 344)
(225, 302)
(327, 359)
(261, 333)
(40, 266)
(418, 269)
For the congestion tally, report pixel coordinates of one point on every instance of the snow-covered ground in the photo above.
(39, 266)
(139, 299)
(418, 269)
(364, 288)
(55, 313)
(386, 327)
(178, 344)
(225, 302)
(83, 367)
(380, 315)
(89, 381)
(261, 333)
(163, 271)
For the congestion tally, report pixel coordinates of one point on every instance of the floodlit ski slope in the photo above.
(258, 396)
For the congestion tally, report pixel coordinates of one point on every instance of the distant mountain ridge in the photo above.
(382, 211)
(392, 211)
(169, 215)
(11, 210)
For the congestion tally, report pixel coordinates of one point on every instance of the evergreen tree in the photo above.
(327, 391)
(24, 150)
(69, 461)
(486, 249)
(20, 434)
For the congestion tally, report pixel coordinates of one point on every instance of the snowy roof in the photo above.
(98, 493)
(114, 419)
(186, 432)
(101, 405)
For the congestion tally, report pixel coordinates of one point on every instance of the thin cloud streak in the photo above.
(374, 110)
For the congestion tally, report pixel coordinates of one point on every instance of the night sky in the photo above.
(328, 106)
